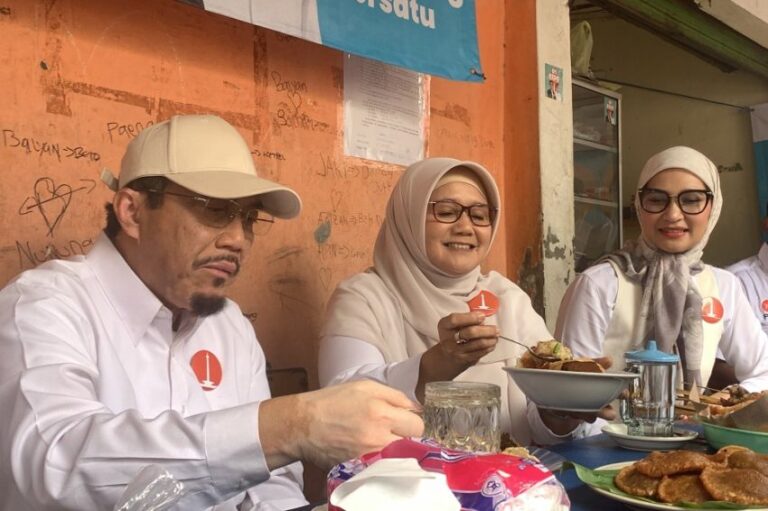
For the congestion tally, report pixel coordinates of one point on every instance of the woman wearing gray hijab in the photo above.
(657, 287)
(425, 311)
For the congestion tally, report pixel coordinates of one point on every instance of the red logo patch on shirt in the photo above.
(485, 302)
(764, 305)
(711, 310)
(207, 369)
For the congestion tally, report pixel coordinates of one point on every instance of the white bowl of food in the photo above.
(568, 384)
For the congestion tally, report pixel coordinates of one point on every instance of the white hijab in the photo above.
(402, 273)
(671, 304)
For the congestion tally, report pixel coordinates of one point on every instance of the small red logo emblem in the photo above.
(485, 302)
(207, 368)
(711, 310)
(764, 305)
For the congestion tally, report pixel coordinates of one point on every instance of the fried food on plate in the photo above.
(633, 482)
(683, 488)
(744, 458)
(658, 464)
(739, 485)
(733, 474)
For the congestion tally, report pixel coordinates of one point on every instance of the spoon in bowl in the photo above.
(545, 358)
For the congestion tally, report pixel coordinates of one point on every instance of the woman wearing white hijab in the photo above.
(657, 286)
(406, 320)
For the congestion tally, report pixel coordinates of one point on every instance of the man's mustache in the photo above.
(229, 258)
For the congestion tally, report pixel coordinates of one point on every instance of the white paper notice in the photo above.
(383, 112)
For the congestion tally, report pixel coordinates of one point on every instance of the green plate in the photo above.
(719, 436)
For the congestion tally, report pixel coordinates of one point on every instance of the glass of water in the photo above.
(649, 407)
(463, 415)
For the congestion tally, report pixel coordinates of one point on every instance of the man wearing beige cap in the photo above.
(133, 356)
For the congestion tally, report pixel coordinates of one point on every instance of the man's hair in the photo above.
(142, 184)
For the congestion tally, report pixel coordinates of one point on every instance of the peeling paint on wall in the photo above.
(530, 278)
(553, 249)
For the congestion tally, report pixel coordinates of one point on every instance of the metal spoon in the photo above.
(545, 358)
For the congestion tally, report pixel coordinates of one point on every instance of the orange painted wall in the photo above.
(80, 78)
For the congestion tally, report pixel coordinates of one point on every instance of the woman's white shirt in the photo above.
(587, 308)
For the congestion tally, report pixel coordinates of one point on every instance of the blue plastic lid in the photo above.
(652, 354)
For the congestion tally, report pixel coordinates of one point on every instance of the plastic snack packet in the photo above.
(153, 489)
(479, 481)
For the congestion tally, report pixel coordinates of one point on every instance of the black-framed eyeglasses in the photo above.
(690, 202)
(449, 212)
(219, 213)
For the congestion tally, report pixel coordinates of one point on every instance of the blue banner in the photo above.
(437, 37)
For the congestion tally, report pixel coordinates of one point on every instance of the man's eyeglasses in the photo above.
(448, 212)
(219, 213)
(690, 202)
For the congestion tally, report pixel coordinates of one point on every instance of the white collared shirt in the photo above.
(587, 309)
(753, 274)
(95, 385)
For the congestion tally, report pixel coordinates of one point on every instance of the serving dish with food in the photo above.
(735, 416)
(732, 478)
(568, 383)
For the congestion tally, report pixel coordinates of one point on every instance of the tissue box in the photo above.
(480, 482)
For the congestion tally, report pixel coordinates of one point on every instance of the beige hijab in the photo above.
(408, 294)
(671, 304)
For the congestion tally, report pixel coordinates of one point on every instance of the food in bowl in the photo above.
(565, 360)
(733, 474)
(570, 390)
(735, 399)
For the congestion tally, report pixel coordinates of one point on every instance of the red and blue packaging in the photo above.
(479, 481)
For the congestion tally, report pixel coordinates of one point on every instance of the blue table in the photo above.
(592, 452)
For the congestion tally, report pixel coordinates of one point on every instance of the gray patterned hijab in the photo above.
(670, 310)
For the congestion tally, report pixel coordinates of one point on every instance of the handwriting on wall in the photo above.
(30, 256)
(343, 251)
(736, 167)
(40, 148)
(377, 179)
(269, 155)
(359, 219)
(290, 112)
(51, 200)
(126, 130)
(465, 138)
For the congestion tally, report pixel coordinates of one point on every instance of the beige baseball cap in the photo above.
(205, 154)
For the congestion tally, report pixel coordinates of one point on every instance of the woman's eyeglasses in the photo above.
(448, 212)
(690, 202)
(219, 213)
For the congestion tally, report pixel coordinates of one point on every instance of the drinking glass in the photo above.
(649, 407)
(463, 415)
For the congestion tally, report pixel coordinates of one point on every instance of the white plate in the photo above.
(618, 432)
(570, 390)
(642, 504)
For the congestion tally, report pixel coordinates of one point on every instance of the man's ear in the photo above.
(129, 206)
